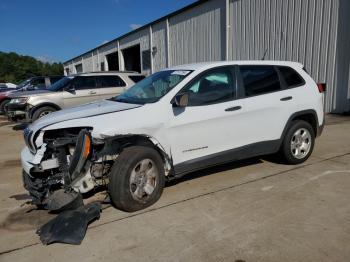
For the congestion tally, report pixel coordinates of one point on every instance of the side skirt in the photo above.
(244, 152)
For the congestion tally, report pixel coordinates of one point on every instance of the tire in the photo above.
(3, 108)
(128, 181)
(298, 143)
(42, 111)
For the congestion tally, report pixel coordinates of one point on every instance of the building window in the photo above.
(146, 59)
(79, 68)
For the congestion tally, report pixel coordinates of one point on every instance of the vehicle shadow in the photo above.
(214, 169)
(275, 158)
(25, 218)
(20, 126)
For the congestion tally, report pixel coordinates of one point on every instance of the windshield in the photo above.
(59, 85)
(23, 84)
(152, 88)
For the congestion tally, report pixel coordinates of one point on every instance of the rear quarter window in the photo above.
(54, 79)
(110, 81)
(291, 77)
(259, 80)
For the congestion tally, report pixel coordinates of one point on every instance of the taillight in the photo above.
(321, 87)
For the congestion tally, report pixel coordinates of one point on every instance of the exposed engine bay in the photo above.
(70, 163)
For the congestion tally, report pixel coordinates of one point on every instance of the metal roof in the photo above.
(206, 65)
(188, 7)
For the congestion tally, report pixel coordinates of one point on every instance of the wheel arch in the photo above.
(309, 116)
(120, 142)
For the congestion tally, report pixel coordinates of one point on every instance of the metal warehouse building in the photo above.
(313, 32)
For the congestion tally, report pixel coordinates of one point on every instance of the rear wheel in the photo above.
(42, 111)
(298, 143)
(137, 178)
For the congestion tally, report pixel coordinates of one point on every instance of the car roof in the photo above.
(208, 65)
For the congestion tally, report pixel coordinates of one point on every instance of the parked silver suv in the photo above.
(71, 91)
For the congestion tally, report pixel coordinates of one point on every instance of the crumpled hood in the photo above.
(83, 111)
(29, 93)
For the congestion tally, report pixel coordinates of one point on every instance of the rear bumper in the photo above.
(321, 127)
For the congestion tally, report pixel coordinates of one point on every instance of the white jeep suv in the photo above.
(173, 122)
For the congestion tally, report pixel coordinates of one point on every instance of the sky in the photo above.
(57, 30)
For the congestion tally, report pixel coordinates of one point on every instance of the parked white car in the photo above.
(174, 122)
(68, 92)
(7, 86)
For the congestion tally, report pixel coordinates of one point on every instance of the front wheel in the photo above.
(298, 143)
(3, 106)
(42, 111)
(137, 178)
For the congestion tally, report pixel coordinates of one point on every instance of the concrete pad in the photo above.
(254, 210)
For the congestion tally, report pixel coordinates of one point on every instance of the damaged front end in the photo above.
(62, 167)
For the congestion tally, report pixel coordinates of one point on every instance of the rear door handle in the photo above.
(92, 92)
(287, 98)
(235, 108)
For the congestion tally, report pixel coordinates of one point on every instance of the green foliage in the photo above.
(15, 68)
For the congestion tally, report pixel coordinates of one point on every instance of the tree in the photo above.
(15, 68)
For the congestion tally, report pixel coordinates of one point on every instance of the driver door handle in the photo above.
(92, 92)
(235, 108)
(287, 98)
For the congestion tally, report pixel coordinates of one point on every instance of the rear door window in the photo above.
(110, 81)
(136, 78)
(86, 82)
(259, 80)
(291, 77)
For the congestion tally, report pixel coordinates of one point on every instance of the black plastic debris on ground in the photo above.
(69, 226)
(61, 200)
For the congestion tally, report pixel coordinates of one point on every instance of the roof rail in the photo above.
(104, 72)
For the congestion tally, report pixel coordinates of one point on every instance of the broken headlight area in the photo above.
(68, 166)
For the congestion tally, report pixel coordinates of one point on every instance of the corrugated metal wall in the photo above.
(342, 95)
(295, 30)
(159, 42)
(88, 63)
(313, 32)
(198, 34)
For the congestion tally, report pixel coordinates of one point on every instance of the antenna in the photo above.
(263, 58)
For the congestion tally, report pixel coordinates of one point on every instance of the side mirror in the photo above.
(70, 88)
(181, 100)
